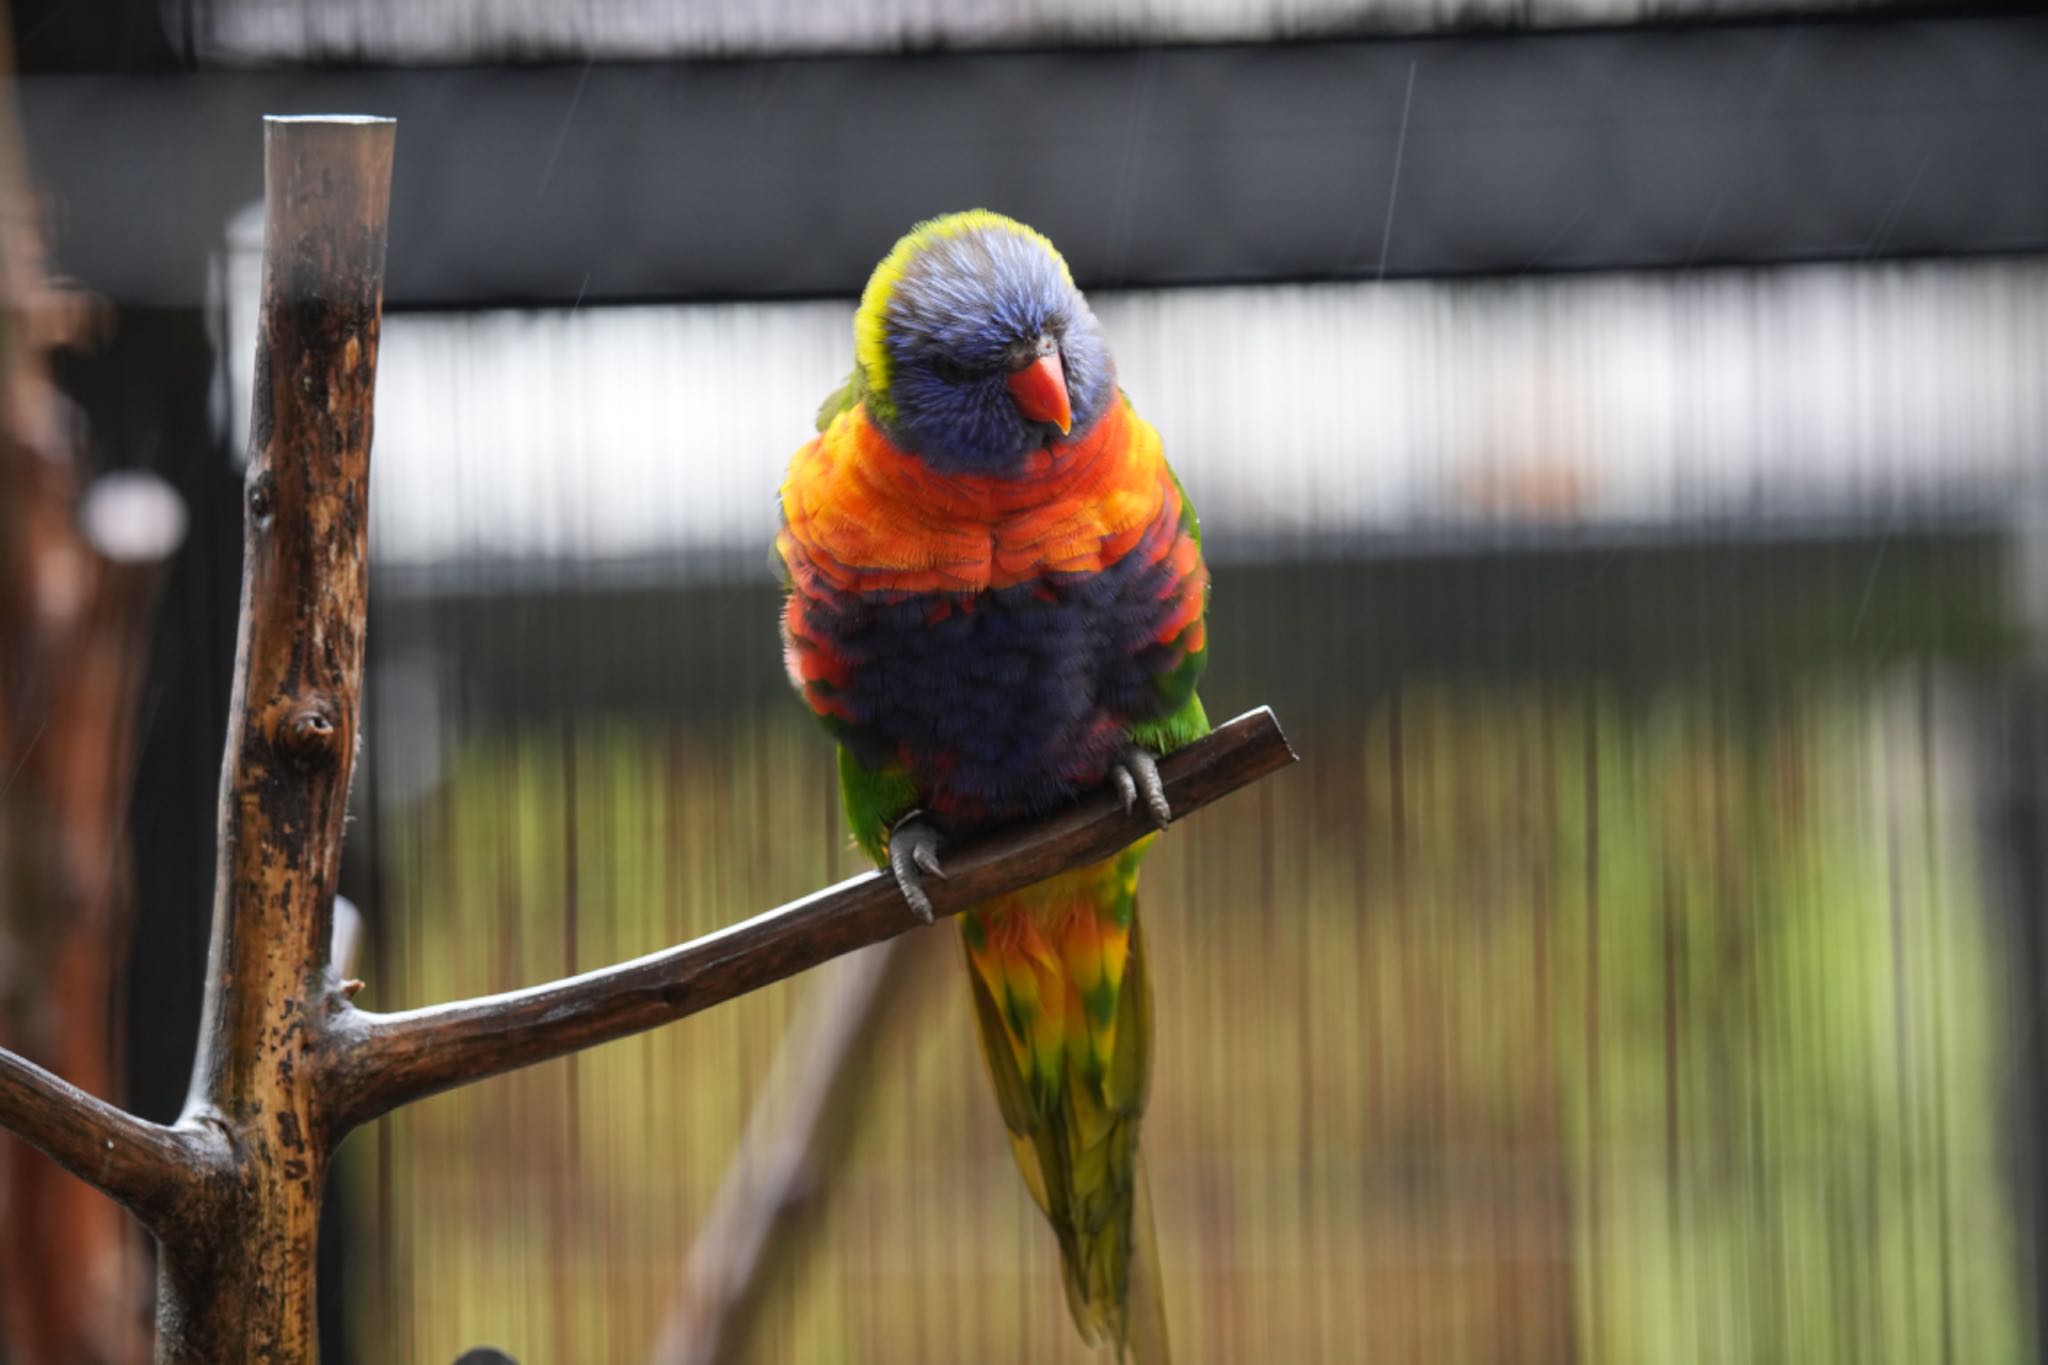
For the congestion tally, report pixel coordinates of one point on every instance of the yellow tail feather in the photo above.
(1070, 1071)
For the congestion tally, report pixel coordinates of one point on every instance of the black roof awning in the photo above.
(1161, 166)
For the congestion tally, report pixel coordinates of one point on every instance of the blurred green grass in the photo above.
(1524, 1021)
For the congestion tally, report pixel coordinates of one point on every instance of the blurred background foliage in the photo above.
(1575, 1015)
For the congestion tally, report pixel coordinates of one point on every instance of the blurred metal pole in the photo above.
(797, 1130)
(2014, 761)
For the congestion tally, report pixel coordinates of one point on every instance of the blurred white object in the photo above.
(654, 438)
(458, 30)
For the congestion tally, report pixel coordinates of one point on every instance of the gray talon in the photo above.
(913, 853)
(1126, 787)
(1137, 773)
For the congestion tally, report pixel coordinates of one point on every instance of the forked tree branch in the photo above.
(371, 1063)
(382, 1061)
(286, 1065)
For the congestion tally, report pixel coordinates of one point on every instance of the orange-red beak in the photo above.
(1040, 389)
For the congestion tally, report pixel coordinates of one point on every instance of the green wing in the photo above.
(1179, 718)
(1185, 725)
(874, 799)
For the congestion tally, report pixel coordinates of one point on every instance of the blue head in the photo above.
(975, 344)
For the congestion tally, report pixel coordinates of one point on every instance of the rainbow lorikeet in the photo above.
(996, 598)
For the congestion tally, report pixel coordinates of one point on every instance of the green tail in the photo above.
(1064, 1013)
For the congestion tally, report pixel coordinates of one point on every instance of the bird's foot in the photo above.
(914, 855)
(1136, 775)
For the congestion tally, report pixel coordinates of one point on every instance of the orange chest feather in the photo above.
(869, 518)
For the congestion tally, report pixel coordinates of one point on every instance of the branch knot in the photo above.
(262, 499)
(307, 731)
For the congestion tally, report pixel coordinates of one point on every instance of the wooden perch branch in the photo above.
(385, 1060)
(236, 1279)
(233, 1191)
(286, 1065)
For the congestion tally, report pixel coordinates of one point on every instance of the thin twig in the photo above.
(381, 1061)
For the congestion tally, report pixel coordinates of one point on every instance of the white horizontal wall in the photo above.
(457, 30)
(1316, 411)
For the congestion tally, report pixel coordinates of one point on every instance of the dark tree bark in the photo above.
(236, 1275)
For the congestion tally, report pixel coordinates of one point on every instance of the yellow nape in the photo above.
(869, 349)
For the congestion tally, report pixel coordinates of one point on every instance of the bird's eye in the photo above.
(949, 369)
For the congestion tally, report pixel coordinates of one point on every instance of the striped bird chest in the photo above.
(994, 636)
